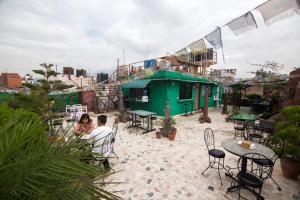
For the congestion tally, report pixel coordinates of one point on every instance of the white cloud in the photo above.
(93, 33)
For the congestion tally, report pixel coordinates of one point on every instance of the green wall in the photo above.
(160, 90)
(63, 99)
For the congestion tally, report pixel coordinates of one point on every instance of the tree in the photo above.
(45, 86)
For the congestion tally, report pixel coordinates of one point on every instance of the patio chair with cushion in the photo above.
(269, 163)
(215, 156)
(252, 179)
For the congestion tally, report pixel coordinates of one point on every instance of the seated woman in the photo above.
(84, 125)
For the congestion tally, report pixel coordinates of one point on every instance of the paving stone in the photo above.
(130, 190)
(296, 197)
(165, 195)
(123, 162)
(179, 192)
(148, 168)
(149, 181)
(162, 169)
(211, 188)
(150, 194)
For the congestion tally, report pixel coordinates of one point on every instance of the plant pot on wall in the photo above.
(290, 168)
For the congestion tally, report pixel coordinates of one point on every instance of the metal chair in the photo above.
(213, 152)
(252, 179)
(239, 129)
(269, 163)
(114, 134)
(255, 132)
(106, 150)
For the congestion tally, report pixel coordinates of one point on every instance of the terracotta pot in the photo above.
(158, 135)
(290, 169)
(172, 135)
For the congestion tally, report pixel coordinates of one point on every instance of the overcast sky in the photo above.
(92, 34)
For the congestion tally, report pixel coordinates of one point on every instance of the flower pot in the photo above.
(172, 135)
(290, 168)
(158, 135)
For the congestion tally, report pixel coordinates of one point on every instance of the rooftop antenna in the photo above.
(124, 56)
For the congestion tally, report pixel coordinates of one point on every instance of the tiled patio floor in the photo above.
(161, 169)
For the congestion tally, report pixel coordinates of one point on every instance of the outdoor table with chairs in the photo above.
(138, 115)
(254, 166)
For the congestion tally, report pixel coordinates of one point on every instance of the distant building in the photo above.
(293, 89)
(123, 71)
(28, 79)
(81, 72)
(225, 76)
(68, 71)
(10, 80)
(102, 77)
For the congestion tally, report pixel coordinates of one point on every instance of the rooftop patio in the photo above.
(154, 168)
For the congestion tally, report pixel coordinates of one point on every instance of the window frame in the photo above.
(187, 89)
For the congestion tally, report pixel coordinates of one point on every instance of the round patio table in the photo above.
(231, 146)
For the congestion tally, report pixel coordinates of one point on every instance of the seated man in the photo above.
(98, 135)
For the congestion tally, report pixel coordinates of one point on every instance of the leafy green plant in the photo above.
(45, 86)
(288, 133)
(31, 168)
(167, 125)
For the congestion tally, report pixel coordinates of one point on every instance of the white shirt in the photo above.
(98, 136)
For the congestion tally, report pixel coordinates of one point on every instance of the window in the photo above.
(203, 91)
(185, 91)
(138, 92)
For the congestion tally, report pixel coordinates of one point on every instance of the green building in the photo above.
(185, 92)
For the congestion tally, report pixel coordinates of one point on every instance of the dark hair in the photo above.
(102, 119)
(84, 116)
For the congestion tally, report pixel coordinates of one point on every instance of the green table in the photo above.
(244, 117)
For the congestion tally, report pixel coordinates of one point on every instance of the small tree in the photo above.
(45, 86)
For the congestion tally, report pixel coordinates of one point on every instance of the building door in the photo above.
(197, 97)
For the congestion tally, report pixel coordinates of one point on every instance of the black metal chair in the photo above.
(269, 163)
(252, 179)
(239, 130)
(254, 131)
(217, 155)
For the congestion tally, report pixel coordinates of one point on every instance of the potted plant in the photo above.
(288, 134)
(158, 134)
(173, 130)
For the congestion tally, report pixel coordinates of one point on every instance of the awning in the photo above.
(137, 83)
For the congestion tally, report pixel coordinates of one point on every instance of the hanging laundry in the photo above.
(215, 38)
(242, 24)
(276, 10)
